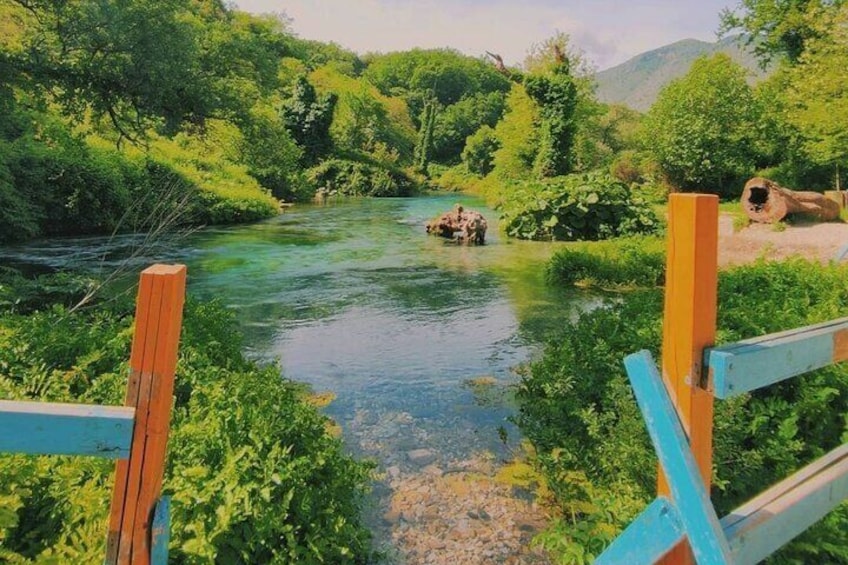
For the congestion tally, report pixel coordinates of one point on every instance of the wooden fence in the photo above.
(135, 434)
(681, 525)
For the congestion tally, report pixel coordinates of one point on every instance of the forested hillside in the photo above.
(637, 82)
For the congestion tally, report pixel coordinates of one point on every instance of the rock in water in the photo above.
(461, 225)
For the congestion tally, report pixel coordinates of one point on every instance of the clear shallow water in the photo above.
(356, 299)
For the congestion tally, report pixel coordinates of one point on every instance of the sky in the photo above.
(607, 31)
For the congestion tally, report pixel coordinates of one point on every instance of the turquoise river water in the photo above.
(354, 298)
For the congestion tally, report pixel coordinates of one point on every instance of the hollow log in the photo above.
(767, 202)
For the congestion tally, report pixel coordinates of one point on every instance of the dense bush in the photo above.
(254, 474)
(577, 207)
(578, 409)
(633, 262)
(354, 178)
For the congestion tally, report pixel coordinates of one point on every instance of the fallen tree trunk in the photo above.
(767, 202)
(464, 226)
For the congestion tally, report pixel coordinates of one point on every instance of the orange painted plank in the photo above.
(689, 325)
(162, 392)
(152, 365)
(119, 492)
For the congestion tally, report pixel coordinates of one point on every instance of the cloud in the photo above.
(608, 31)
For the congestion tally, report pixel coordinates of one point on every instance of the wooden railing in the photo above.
(135, 434)
(681, 525)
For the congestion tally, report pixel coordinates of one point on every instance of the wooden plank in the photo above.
(650, 536)
(162, 392)
(152, 365)
(161, 532)
(754, 363)
(770, 520)
(49, 428)
(689, 322)
(700, 523)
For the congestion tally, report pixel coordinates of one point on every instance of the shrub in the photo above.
(577, 408)
(255, 476)
(577, 207)
(353, 178)
(479, 151)
(634, 262)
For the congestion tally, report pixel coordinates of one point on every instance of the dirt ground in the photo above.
(822, 241)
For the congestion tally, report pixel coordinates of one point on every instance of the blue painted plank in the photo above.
(697, 514)
(650, 536)
(160, 532)
(754, 363)
(763, 525)
(46, 428)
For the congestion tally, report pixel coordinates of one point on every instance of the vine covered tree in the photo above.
(556, 94)
(308, 117)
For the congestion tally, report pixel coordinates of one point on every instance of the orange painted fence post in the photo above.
(689, 325)
(138, 480)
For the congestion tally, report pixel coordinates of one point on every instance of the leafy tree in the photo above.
(817, 97)
(271, 155)
(308, 117)
(556, 95)
(479, 150)
(424, 147)
(449, 75)
(457, 121)
(702, 129)
(777, 28)
(517, 137)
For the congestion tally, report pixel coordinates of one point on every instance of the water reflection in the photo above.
(356, 299)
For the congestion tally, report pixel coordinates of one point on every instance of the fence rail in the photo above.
(681, 525)
(136, 434)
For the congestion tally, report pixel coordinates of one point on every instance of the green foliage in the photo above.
(631, 262)
(517, 137)
(777, 29)
(458, 121)
(556, 94)
(479, 151)
(447, 74)
(367, 122)
(308, 116)
(577, 408)
(576, 207)
(353, 178)
(255, 476)
(703, 128)
(817, 97)
(424, 147)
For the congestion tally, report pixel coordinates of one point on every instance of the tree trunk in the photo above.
(767, 202)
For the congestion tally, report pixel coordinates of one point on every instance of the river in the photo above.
(418, 339)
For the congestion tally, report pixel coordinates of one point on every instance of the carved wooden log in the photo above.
(767, 202)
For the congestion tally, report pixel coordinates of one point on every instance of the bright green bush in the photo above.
(354, 178)
(634, 262)
(254, 474)
(577, 407)
(577, 207)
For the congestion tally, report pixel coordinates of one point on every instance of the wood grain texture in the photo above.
(689, 322)
(151, 384)
(750, 364)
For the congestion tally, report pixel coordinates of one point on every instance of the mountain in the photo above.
(637, 82)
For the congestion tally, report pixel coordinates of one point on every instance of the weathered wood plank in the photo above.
(689, 323)
(770, 520)
(755, 363)
(65, 429)
(152, 365)
(647, 538)
(688, 492)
